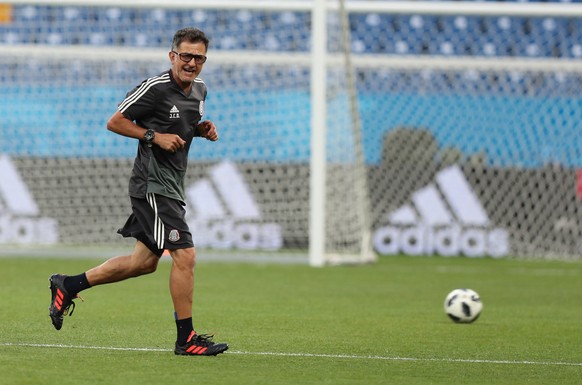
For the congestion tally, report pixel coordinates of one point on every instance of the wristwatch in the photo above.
(149, 136)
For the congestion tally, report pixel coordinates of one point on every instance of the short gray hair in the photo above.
(191, 35)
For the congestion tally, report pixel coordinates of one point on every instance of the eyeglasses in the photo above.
(187, 57)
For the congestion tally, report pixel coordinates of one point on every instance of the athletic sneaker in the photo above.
(200, 345)
(61, 301)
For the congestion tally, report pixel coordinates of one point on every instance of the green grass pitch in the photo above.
(292, 324)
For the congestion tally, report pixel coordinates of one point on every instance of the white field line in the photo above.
(281, 354)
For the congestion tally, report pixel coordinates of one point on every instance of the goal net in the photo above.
(442, 130)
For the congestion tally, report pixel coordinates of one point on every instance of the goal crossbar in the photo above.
(492, 8)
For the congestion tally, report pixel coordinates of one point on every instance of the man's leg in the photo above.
(182, 281)
(182, 290)
(141, 261)
(188, 342)
(65, 289)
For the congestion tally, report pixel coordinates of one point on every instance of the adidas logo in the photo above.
(445, 218)
(174, 113)
(225, 215)
(19, 221)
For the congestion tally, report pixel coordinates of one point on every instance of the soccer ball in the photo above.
(463, 305)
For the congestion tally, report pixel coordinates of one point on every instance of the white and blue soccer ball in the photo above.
(463, 305)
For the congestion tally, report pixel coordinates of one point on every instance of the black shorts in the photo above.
(158, 222)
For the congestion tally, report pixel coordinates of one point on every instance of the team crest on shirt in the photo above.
(201, 108)
(174, 236)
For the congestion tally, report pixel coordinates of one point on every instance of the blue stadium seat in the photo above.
(372, 32)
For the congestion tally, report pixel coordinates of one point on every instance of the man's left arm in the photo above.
(207, 129)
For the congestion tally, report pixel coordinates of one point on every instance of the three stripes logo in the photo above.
(174, 113)
(19, 213)
(224, 213)
(445, 218)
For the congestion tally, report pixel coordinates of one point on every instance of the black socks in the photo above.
(76, 283)
(184, 327)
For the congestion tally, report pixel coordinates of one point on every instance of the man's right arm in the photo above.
(121, 125)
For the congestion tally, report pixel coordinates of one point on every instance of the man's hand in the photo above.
(123, 126)
(207, 129)
(169, 142)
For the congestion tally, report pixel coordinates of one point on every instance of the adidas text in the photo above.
(228, 234)
(25, 230)
(226, 215)
(446, 241)
(444, 217)
(20, 220)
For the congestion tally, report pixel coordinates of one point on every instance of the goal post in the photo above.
(349, 129)
(339, 202)
(318, 176)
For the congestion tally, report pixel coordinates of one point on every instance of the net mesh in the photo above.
(460, 159)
